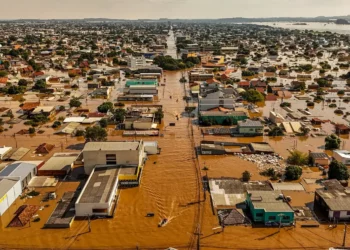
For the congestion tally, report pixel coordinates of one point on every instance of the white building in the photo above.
(136, 62)
(215, 100)
(3, 151)
(127, 153)
(276, 117)
(99, 195)
(13, 179)
(342, 156)
(10, 190)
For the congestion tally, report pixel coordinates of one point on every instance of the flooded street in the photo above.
(171, 188)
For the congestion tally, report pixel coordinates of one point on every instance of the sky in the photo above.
(153, 9)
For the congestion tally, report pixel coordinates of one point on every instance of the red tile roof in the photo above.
(3, 80)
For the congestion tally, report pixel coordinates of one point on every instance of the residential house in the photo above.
(342, 156)
(250, 128)
(29, 107)
(44, 148)
(215, 99)
(48, 111)
(319, 159)
(222, 117)
(269, 207)
(333, 201)
(341, 129)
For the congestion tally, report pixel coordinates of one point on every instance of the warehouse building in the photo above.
(24, 170)
(60, 164)
(13, 179)
(117, 153)
(10, 190)
(99, 195)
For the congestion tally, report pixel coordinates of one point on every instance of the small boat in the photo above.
(162, 222)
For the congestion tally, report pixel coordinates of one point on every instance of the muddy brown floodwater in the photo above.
(170, 188)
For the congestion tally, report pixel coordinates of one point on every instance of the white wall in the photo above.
(124, 157)
(343, 215)
(341, 159)
(11, 196)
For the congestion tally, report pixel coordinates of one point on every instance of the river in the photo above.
(332, 27)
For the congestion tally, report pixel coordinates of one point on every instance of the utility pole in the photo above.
(89, 223)
(279, 227)
(344, 238)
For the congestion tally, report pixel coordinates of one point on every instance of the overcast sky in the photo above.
(135, 9)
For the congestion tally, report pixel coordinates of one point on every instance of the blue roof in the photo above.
(20, 169)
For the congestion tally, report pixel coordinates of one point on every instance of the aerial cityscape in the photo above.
(156, 131)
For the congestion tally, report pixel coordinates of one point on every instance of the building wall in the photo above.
(343, 215)
(142, 125)
(219, 119)
(7, 200)
(322, 162)
(250, 130)
(93, 158)
(341, 159)
(84, 209)
(213, 100)
(142, 91)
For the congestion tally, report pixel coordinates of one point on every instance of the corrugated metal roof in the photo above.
(20, 169)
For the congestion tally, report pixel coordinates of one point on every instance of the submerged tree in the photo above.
(338, 170)
(95, 133)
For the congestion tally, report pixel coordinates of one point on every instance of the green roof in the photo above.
(141, 82)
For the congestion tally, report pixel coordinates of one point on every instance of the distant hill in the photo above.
(324, 19)
(341, 21)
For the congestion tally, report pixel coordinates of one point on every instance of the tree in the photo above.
(338, 170)
(22, 82)
(3, 73)
(103, 123)
(246, 176)
(253, 96)
(40, 84)
(105, 107)
(276, 131)
(56, 124)
(298, 158)
(159, 115)
(31, 130)
(14, 90)
(293, 173)
(119, 115)
(95, 133)
(332, 142)
(74, 102)
(323, 83)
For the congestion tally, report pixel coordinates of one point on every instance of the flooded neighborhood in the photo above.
(173, 135)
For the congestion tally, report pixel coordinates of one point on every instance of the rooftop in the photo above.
(99, 187)
(60, 161)
(219, 113)
(343, 153)
(335, 195)
(318, 155)
(6, 185)
(112, 146)
(249, 123)
(268, 201)
(19, 169)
